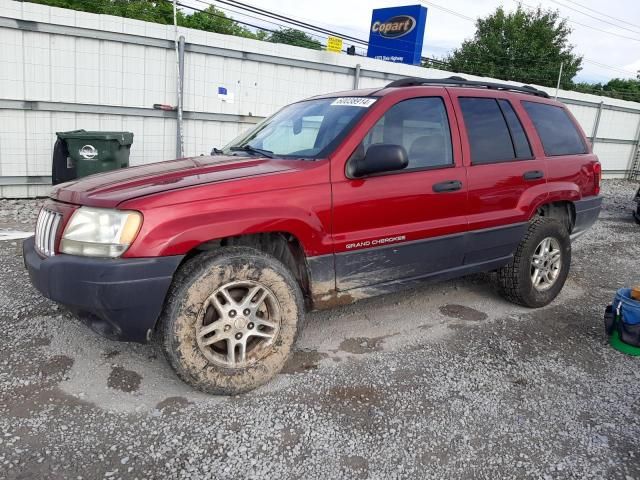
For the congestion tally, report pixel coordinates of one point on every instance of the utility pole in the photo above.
(559, 77)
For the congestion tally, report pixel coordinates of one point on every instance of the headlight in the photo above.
(100, 232)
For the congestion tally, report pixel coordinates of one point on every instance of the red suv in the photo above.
(330, 200)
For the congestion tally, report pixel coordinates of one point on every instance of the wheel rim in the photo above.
(546, 264)
(238, 323)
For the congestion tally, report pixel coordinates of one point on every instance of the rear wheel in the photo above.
(231, 320)
(540, 265)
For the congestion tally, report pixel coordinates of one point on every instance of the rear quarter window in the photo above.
(557, 132)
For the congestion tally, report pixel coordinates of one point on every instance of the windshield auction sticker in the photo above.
(364, 102)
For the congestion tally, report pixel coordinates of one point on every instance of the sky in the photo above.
(611, 48)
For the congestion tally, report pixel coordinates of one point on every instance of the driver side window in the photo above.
(421, 126)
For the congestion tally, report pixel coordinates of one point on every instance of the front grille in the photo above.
(46, 231)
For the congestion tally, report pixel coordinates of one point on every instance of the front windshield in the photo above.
(309, 129)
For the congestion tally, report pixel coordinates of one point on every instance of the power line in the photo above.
(212, 14)
(339, 34)
(276, 12)
(296, 23)
(585, 25)
(326, 31)
(458, 14)
(452, 12)
(603, 14)
(552, 77)
(290, 20)
(604, 65)
(435, 61)
(486, 70)
(593, 16)
(280, 25)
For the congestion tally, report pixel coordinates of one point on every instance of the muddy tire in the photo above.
(540, 265)
(231, 319)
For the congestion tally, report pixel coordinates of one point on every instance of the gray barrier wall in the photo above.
(63, 70)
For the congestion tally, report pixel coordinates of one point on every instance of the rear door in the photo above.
(570, 165)
(504, 175)
(404, 224)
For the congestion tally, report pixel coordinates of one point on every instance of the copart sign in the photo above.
(396, 34)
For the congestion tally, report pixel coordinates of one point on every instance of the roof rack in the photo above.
(461, 82)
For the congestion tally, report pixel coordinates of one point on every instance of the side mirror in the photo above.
(379, 158)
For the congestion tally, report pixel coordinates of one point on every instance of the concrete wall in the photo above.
(63, 70)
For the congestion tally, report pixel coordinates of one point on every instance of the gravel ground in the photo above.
(444, 381)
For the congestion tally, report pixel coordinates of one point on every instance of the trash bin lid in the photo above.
(124, 138)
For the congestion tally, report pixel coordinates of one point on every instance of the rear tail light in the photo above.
(597, 177)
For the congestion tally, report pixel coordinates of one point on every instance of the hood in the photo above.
(111, 188)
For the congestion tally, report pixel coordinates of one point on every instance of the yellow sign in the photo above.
(334, 44)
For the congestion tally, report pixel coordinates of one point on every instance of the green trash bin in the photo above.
(96, 152)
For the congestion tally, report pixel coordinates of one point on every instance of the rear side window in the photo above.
(558, 134)
(494, 131)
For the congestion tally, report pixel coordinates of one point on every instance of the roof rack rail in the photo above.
(461, 82)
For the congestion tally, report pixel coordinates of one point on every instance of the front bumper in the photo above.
(118, 298)
(587, 211)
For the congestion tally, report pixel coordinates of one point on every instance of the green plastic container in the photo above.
(96, 152)
(619, 345)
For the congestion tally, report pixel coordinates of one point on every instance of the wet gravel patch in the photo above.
(381, 389)
(462, 312)
(124, 380)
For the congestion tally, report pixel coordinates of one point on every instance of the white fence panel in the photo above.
(72, 70)
(586, 117)
(620, 125)
(617, 156)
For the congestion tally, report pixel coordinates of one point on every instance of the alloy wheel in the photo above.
(238, 323)
(546, 263)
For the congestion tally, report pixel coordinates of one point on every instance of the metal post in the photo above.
(596, 124)
(180, 128)
(356, 78)
(559, 77)
(179, 137)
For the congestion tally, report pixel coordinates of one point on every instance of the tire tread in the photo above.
(509, 276)
(192, 269)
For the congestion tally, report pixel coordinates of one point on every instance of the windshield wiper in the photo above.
(248, 148)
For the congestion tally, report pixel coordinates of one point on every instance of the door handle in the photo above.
(533, 175)
(448, 186)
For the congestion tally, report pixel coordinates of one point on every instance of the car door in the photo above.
(562, 143)
(504, 176)
(409, 223)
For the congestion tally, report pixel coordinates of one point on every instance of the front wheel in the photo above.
(231, 320)
(540, 265)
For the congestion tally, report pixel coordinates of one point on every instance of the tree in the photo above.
(156, 11)
(524, 46)
(214, 20)
(291, 36)
(624, 89)
(161, 11)
(621, 85)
